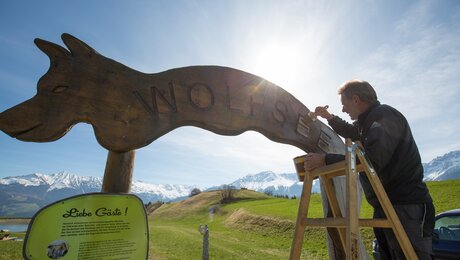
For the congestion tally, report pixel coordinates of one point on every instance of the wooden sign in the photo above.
(129, 109)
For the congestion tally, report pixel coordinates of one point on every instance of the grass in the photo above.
(262, 227)
(11, 249)
(255, 226)
(445, 194)
(180, 239)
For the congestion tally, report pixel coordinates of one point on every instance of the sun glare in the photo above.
(280, 63)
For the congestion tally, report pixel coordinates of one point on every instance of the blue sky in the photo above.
(408, 50)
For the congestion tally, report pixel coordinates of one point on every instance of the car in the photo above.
(446, 236)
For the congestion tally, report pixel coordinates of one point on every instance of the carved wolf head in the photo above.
(80, 86)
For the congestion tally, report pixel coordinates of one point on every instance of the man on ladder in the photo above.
(391, 148)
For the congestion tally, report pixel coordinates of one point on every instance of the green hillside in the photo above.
(445, 194)
(253, 226)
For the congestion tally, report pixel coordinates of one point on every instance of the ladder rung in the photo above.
(382, 223)
(338, 168)
(325, 222)
(333, 170)
(341, 222)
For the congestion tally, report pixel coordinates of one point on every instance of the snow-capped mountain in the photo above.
(274, 183)
(444, 167)
(57, 181)
(24, 195)
(149, 192)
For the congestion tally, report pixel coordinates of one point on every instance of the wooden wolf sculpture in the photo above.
(129, 109)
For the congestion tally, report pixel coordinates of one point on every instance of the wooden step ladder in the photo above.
(347, 226)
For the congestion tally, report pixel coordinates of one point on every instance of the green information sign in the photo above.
(90, 226)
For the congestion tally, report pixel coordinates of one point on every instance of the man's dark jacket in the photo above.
(390, 146)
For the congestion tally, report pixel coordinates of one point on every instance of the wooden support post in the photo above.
(118, 172)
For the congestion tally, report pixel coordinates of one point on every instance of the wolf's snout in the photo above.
(18, 121)
(18, 133)
(24, 122)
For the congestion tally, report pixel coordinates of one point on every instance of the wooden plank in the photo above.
(342, 222)
(380, 223)
(352, 249)
(296, 247)
(335, 168)
(326, 222)
(387, 207)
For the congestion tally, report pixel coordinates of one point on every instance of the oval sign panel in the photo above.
(90, 226)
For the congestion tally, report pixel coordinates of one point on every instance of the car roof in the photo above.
(449, 212)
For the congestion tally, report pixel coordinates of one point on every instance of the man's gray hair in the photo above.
(361, 88)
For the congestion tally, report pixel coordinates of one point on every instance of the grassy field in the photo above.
(11, 249)
(255, 226)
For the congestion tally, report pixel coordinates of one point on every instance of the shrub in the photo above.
(194, 192)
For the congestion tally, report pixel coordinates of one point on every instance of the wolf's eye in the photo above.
(60, 89)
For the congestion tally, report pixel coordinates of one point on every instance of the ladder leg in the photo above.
(296, 247)
(352, 250)
(390, 213)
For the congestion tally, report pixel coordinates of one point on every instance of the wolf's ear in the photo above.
(53, 50)
(76, 46)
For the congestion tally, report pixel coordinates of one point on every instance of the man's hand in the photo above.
(322, 112)
(313, 161)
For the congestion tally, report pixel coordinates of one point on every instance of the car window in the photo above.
(448, 228)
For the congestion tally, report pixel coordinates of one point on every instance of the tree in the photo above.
(227, 194)
(194, 192)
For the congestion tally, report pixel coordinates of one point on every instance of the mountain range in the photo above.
(444, 167)
(282, 184)
(22, 196)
